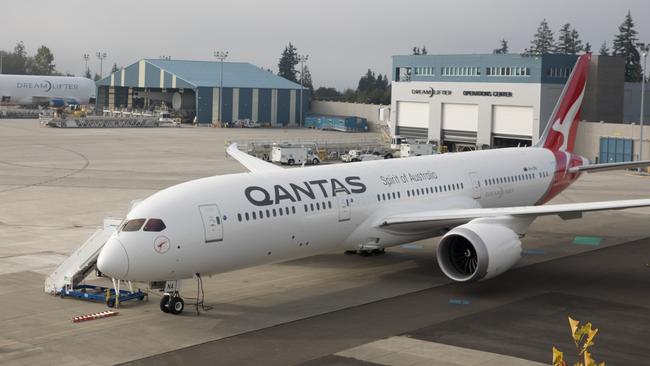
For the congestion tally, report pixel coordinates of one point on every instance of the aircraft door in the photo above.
(476, 185)
(212, 223)
(344, 207)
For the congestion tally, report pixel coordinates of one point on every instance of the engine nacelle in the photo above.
(478, 251)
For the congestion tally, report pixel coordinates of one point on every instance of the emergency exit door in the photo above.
(476, 185)
(212, 223)
(344, 207)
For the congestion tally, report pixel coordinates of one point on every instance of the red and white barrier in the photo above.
(103, 314)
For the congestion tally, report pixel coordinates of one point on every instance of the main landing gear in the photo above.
(172, 303)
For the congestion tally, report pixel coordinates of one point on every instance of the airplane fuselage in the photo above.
(34, 89)
(222, 223)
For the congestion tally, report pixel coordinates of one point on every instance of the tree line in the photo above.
(568, 42)
(20, 63)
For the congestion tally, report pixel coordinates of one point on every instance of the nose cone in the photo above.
(113, 260)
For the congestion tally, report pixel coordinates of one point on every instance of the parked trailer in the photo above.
(336, 123)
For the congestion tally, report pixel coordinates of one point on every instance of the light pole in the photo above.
(1, 56)
(644, 52)
(221, 55)
(101, 56)
(86, 58)
(302, 59)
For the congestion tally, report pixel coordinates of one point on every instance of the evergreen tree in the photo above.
(324, 93)
(568, 41)
(306, 80)
(288, 62)
(503, 49)
(604, 50)
(416, 50)
(115, 69)
(367, 82)
(625, 45)
(587, 47)
(42, 64)
(542, 40)
(424, 50)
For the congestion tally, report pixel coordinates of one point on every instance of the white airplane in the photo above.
(56, 91)
(482, 202)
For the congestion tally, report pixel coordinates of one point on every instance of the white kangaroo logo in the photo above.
(563, 127)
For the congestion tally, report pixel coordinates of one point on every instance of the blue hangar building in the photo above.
(192, 89)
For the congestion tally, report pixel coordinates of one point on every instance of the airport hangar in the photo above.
(192, 89)
(494, 100)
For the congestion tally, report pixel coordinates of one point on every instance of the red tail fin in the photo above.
(562, 127)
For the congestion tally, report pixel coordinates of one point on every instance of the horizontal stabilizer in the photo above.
(595, 168)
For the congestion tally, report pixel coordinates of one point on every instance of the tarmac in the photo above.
(57, 185)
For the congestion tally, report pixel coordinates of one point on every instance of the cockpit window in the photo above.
(133, 225)
(154, 225)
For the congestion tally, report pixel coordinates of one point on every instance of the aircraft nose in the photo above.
(113, 260)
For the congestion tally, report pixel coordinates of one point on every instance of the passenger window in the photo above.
(286, 210)
(133, 225)
(247, 217)
(158, 225)
(274, 213)
(293, 209)
(254, 216)
(239, 217)
(329, 204)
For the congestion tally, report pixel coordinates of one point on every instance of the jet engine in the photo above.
(478, 251)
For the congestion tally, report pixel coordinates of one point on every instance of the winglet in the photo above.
(253, 164)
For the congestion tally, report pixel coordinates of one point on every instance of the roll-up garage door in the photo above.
(460, 117)
(413, 114)
(512, 121)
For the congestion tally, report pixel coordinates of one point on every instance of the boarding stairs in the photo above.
(82, 262)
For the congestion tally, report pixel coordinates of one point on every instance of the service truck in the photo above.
(417, 148)
(291, 155)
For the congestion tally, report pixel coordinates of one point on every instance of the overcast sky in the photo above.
(342, 37)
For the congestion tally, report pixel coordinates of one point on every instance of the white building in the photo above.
(490, 100)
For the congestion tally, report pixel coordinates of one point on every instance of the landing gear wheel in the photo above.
(110, 302)
(290, 161)
(176, 305)
(315, 161)
(164, 303)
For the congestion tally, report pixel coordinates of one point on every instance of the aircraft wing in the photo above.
(594, 168)
(251, 163)
(569, 210)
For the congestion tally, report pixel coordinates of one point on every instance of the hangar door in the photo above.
(460, 117)
(413, 114)
(512, 120)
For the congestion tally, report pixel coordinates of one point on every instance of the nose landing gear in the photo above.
(172, 303)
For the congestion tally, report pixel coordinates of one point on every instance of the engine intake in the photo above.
(477, 251)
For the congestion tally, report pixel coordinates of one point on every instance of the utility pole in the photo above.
(221, 55)
(101, 56)
(86, 58)
(644, 52)
(302, 59)
(1, 56)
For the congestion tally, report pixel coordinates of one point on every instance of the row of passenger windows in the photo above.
(514, 178)
(282, 211)
(421, 191)
(155, 225)
(424, 71)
